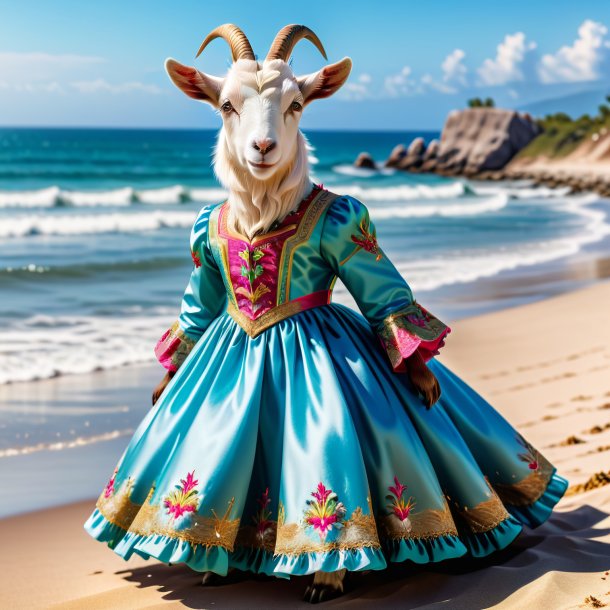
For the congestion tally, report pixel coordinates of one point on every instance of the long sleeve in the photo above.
(349, 244)
(203, 300)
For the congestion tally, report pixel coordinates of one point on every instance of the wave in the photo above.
(64, 224)
(80, 441)
(404, 192)
(93, 269)
(46, 346)
(362, 172)
(54, 196)
(473, 208)
(530, 192)
(463, 267)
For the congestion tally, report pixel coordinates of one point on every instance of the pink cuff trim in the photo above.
(173, 347)
(412, 329)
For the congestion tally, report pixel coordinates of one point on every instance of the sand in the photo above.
(545, 366)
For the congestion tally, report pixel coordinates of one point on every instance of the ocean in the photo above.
(94, 257)
(94, 228)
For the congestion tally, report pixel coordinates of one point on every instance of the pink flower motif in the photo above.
(109, 489)
(530, 456)
(261, 519)
(184, 498)
(325, 512)
(398, 505)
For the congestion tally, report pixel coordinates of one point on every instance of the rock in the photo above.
(398, 152)
(431, 150)
(365, 160)
(415, 155)
(479, 139)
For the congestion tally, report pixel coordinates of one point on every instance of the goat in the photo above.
(261, 155)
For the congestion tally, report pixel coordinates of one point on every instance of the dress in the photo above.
(289, 441)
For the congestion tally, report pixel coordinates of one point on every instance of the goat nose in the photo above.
(264, 145)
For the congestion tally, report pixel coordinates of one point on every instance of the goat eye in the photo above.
(296, 107)
(227, 107)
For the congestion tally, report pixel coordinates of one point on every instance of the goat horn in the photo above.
(239, 43)
(287, 37)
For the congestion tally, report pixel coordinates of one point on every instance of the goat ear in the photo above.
(326, 81)
(195, 84)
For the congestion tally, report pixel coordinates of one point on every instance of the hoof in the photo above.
(211, 579)
(324, 587)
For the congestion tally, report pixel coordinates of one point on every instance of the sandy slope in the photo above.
(545, 366)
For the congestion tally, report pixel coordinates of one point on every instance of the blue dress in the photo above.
(289, 439)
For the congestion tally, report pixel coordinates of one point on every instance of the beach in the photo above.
(543, 365)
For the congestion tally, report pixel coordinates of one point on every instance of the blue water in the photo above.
(94, 229)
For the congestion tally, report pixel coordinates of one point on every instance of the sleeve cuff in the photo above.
(411, 329)
(173, 347)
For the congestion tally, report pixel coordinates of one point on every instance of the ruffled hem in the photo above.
(411, 329)
(424, 550)
(365, 558)
(537, 513)
(482, 544)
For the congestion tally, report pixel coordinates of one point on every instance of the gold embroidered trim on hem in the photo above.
(358, 532)
(147, 520)
(485, 516)
(205, 531)
(530, 489)
(428, 524)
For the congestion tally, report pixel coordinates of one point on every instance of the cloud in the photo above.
(513, 61)
(439, 86)
(581, 61)
(23, 68)
(454, 71)
(359, 89)
(100, 85)
(402, 83)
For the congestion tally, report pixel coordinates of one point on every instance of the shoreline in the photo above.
(534, 363)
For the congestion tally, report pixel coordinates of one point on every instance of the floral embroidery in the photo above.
(196, 258)
(109, 489)
(261, 520)
(252, 269)
(530, 456)
(398, 506)
(367, 240)
(184, 498)
(325, 511)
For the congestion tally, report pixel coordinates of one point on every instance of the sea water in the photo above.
(94, 233)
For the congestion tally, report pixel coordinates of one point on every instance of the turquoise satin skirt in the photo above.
(301, 450)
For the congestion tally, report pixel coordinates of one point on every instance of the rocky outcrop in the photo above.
(482, 139)
(396, 156)
(414, 156)
(473, 140)
(365, 160)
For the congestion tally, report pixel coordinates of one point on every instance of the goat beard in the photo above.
(255, 205)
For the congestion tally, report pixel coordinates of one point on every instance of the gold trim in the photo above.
(358, 531)
(205, 531)
(428, 524)
(485, 516)
(255, 327)
(530, 489)
(148, 519)
(312, 214)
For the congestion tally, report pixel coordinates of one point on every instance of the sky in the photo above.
(100, 64)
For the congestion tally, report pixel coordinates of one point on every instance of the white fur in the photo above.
(261, 96)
